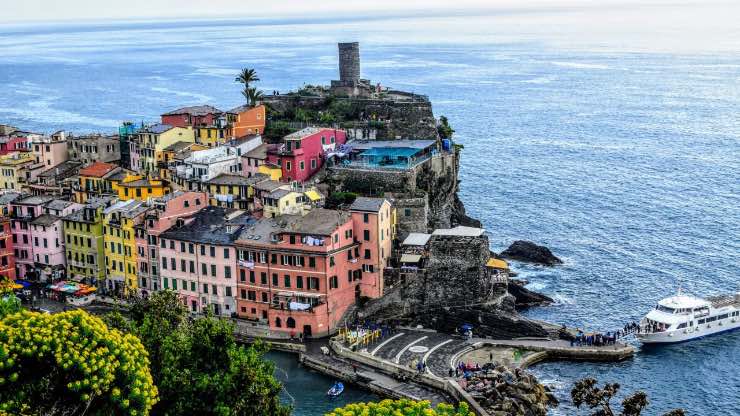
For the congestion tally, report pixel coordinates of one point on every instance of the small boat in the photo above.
(682, 318)
(335, 390)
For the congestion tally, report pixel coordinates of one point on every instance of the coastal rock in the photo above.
(525, 297)
(502, 391)
(530, 252)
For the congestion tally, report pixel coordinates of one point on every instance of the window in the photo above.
(164, 263)
(191, 248)
(192, 286)
(166, 283)
(366, 235)
(302, 165)
(286, 280)
(182, 265)
(182, 246)
(407, 212)
(312, 262)
(192, 266)
(242, 275)
(299, 282)
(313, 283)
(205, 288)
(243, 293)
(213, 270)
(227, 272)
(264, 297)
(263, 278)
(202, 250)
(366, 218)
(173, 264)
(226, 253)
(228, 291)
(212, 251)
(313, 163)
(331, 261)
(204, 269)
(274, 279)
(287, 165)
(162, 243)
(349, 276)
(333, 282)
(290, 322)
(367, 253)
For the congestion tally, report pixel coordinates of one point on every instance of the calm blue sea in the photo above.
(619, 151)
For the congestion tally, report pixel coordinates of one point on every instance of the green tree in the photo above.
(252, 95)
(401, 407)
(246, 77)
(586, 392)
(444, 129)
(198, 366)
(9, 303)
(71, 363)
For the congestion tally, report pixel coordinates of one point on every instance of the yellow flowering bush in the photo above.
(71, 363)
(403, 407)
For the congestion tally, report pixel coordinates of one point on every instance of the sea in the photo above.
(610, 135)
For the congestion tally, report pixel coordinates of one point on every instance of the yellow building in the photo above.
(273, 171)
(285, 200)
(119, 243)
(175, 153)
(139, 188)
(13, 169)
(211, 136)
(154, 139)
(95, 181)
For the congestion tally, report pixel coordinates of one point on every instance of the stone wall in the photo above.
(412, 213)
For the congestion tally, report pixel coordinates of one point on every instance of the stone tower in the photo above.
(349, 63)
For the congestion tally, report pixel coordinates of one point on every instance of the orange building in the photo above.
(246, 120)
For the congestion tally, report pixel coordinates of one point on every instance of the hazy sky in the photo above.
(33, 10)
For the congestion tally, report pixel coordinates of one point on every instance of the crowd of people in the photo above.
(599, 339)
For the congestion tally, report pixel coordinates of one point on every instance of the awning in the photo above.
(497, 264)
(410, 258)
(313, 195)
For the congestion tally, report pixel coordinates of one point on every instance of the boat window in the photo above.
(722, 316)
(711, 319)
(682, 325)
(691, 323)
(664, 309)
(701, 321)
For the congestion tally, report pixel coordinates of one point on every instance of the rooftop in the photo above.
(211, 225)
(63, 167)
(241, 109)
(196, 110)
(45, 220)
(268, 185)
(8, 197)
(259, 152)
(459, 231)
(374, 144)
(158, 128)
(97, 169)
(178, 146)
(59, 204)
(279, 193)
(128, 209)
(305, 132)
(231, 179)
(137, 183)
(318, 222)
(367, 204)
(34, 200)
(92, 203)
(416, 239)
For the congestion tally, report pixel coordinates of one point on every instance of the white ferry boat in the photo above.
(682, 318)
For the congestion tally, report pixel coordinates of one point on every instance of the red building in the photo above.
(7, 256)
(13, 142)
(196, 116)
(299, 274)
(302, 153)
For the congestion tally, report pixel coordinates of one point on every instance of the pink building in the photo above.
(374, 228)
(50, 151)
(47, 239)
(23, 212)
(198, 259)
(299, 274)
(164, 214)
(302, 153)
(196, 116)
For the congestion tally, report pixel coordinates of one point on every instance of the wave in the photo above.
(539, 80)
(196, 96)
(579, 65)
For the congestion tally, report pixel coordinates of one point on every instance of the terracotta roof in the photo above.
(97, 169)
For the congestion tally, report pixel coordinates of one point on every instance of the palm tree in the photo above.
(252, 95)
(247, 76)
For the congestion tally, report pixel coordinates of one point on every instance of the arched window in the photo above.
(278, 323)
(290, 322)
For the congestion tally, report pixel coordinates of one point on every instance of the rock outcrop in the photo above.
(530, 252)
(502, 391)
(525, 297)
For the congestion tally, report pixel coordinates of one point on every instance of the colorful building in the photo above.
(47, 232)
(94, 148)
(174, 155)
(95, 181)
(13, 140)
(119, 243)
(246, 120)
(16, 170)
(299, 274)
(374, 222)
(136, 187)
(255, 158)
(152, 140)
(194, 116)
(164, 213)
(83, 233)
(49, 151)
(301, 154)
(211, 135)
(198, 259)
(7, 257)
(233, 191)
(24, 211)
